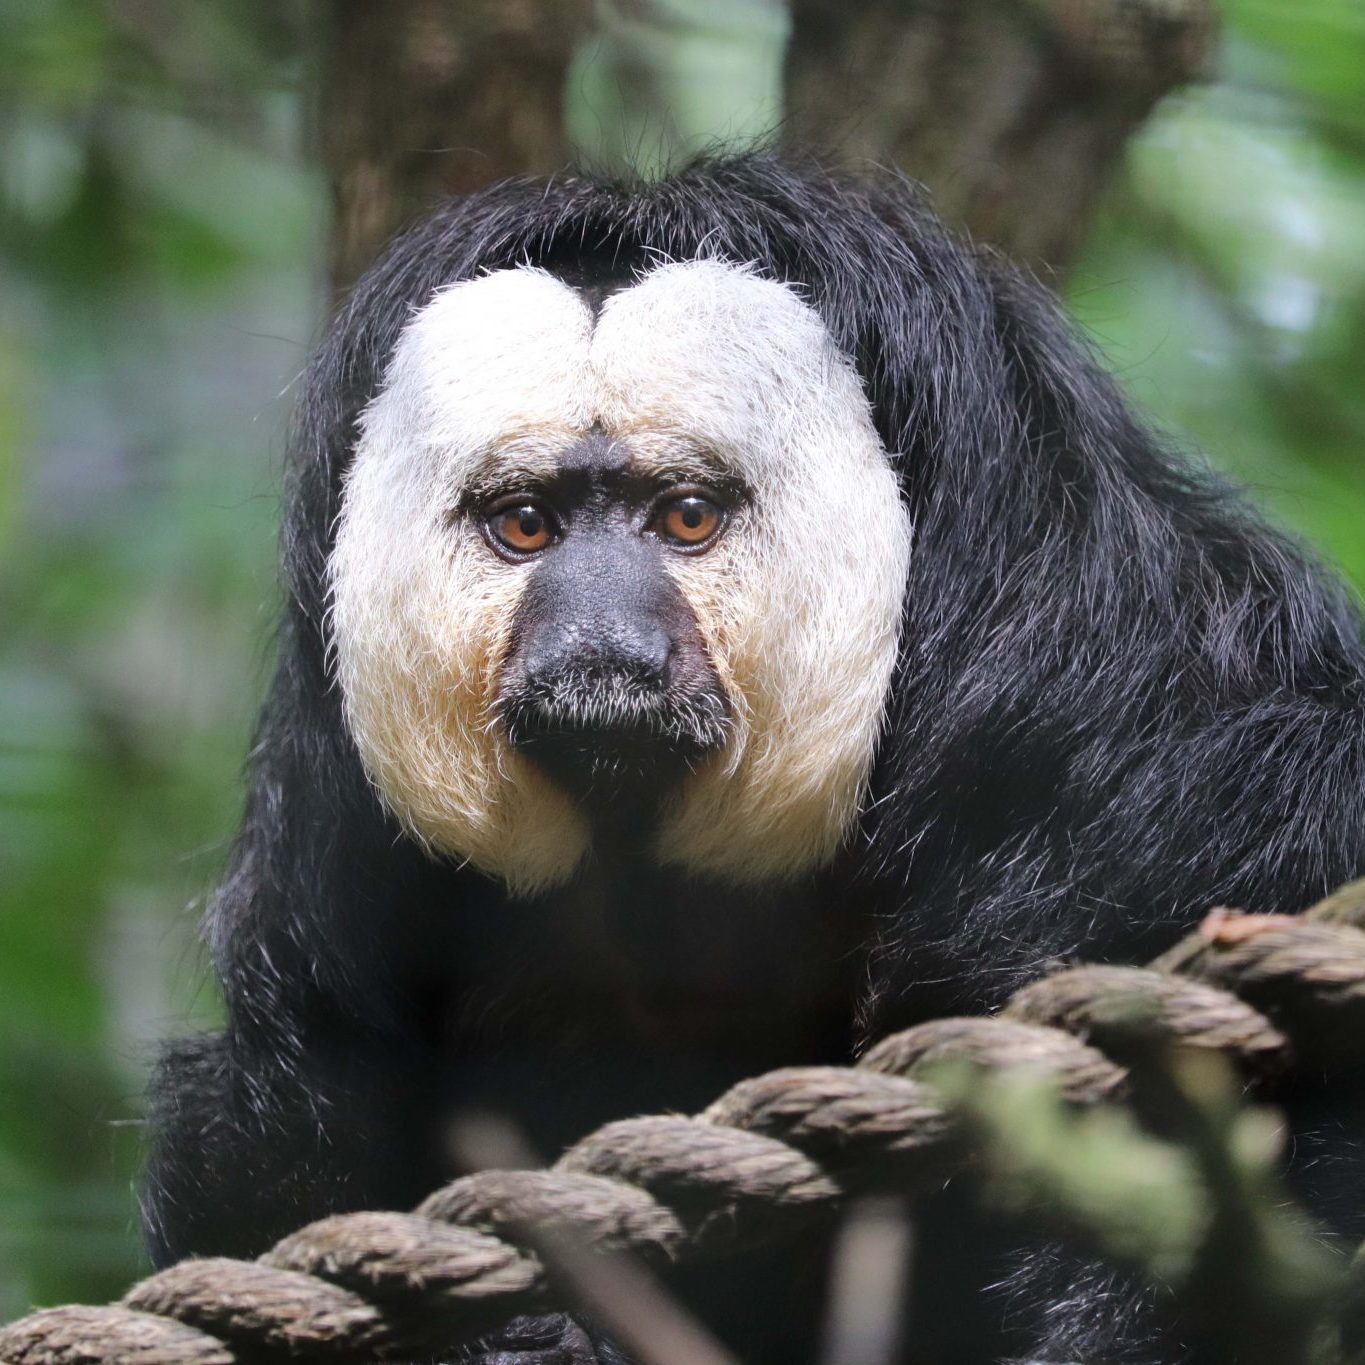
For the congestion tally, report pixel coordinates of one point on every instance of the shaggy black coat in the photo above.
(1120, 700)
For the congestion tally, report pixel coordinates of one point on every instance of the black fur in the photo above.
(1121, 700)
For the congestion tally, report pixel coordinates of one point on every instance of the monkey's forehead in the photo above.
(513, 365)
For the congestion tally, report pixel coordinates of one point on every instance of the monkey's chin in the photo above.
(621, 756)
(618, 778)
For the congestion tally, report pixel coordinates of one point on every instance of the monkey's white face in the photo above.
(700, 375)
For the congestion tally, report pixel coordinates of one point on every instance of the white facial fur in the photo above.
(699, 364)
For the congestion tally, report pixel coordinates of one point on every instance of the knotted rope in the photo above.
(770, 1153)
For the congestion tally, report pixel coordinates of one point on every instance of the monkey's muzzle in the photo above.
(609, 738)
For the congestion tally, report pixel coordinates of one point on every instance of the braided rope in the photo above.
(769, 1154)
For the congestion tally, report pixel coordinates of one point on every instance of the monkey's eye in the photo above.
(688, 520)
(522, 526)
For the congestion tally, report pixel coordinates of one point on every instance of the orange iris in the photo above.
(524, 529)
(690, 520)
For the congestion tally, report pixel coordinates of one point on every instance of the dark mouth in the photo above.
(610, 741)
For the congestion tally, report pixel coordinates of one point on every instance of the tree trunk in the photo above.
(1014, 113)
(424, 98)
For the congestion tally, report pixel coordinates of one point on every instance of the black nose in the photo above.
(607, 687)
(629, 650)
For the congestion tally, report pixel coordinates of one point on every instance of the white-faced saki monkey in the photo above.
(728, 619)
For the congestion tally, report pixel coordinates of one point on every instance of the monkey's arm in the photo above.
(249, 1143)
(247, 1149)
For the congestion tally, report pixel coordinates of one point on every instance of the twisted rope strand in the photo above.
(770, 1153)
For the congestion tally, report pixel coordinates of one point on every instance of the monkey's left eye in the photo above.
(689, 520)
(522, 527)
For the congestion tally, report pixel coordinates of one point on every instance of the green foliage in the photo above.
(1225, 281)
(157, 224)
(1197, 1212)
(658, 83)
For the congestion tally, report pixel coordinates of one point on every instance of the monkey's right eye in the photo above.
(522, 527)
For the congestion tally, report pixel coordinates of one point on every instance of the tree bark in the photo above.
(424, 98)
(1014, 113)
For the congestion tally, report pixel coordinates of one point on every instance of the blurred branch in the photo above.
(422, 98)
(1015, 113)
(866, 1315)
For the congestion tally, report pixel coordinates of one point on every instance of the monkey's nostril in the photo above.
(652, 651)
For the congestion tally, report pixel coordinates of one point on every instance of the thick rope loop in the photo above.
(1107, 1005)
(731, 1188)
(81, 1335)
(834, 1113)
(1308, 977)
(400, 1258)
(1080, 1072)
(600, 1212)
(771, 1152)
(250, 1305)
